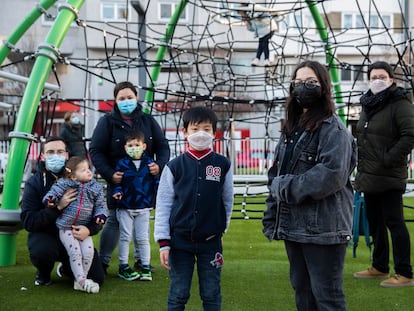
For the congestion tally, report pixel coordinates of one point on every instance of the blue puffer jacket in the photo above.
(108, 140)
(312, 203)
(138, 186)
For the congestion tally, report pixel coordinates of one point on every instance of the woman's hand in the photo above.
(117, 177)
(154, 168)
(80, 232)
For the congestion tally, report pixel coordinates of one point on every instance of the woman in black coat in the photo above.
(107, 147)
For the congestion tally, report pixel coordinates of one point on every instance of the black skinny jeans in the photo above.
(264, 46)
(385, 210)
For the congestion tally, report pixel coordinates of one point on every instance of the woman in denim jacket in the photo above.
(310, 201)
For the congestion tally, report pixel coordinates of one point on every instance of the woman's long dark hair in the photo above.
(319, 111)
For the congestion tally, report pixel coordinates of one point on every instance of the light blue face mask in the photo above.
(75, 120)
(55, 163)
(127, 106)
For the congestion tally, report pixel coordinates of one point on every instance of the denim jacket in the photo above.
(312, 203)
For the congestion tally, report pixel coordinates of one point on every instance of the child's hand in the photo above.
(51, 201)
(100, 219)
(117, 196)
(164, 254)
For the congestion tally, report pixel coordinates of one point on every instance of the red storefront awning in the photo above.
(170, 106)
(105, 105)
(60, 106)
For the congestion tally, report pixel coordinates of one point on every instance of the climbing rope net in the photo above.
(206, 59)
(207, 56)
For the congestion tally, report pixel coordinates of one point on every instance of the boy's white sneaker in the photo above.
(255, 62)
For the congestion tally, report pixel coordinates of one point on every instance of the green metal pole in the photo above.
(46, 56)
(23, 27)
(149, 96)
(333, 70)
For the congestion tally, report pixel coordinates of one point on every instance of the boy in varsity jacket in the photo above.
(193, 209)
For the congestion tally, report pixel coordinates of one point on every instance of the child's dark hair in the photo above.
(135, 134)
(196, 115)
(71, 164)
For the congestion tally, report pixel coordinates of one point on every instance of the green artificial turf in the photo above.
(255, 277)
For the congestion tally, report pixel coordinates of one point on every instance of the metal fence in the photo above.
(251, 157)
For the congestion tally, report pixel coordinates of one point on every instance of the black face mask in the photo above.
(305, 96)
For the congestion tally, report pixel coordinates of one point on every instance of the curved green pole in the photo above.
(333, 70)
(149, 96)
(46, 56)
(23, 27)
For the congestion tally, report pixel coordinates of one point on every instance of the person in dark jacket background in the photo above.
(385, 137)
(107, 148)
(72, 132)
(45, 247)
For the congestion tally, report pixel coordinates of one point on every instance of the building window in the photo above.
(114, 11)
(298, 22)
(353, 73)
(347, 21)
(227, 13)
(376, 22)
(359, 22)
(167, 9)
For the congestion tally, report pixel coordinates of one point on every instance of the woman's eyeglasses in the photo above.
(309, 84)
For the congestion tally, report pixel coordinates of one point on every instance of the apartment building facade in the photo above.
(207, 60)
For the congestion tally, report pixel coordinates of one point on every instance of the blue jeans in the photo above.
(184, 254)
(316, 275)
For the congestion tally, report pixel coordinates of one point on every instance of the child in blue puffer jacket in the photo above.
(135, 199)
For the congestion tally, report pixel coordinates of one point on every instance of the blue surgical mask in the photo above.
(75, 120)
(127, 106)
(55, 163)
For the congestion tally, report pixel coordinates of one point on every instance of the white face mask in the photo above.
(378, 85)
(200, 140)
